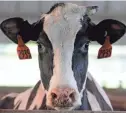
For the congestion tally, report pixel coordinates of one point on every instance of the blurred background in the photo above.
(17, 75)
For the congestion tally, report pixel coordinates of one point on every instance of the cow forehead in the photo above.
(68, 7)
(62, 24)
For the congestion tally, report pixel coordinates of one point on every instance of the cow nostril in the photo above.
(54, 96)
(72, 96)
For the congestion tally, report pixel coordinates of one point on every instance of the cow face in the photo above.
(63, 35)
(64, 62)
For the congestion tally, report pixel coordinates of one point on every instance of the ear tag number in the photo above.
(106, 50)
(22, 50)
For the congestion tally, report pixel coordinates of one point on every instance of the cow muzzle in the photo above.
(61, 98)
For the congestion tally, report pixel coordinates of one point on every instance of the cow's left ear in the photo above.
(106, 33)
(108, 27)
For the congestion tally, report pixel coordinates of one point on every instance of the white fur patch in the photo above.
(104, 95)
(61, 27)
(38, 100)
(93, 102)
(22, 98)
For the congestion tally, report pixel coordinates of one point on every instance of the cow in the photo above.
(63, 35)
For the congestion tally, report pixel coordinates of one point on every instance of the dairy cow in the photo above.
(63, 35)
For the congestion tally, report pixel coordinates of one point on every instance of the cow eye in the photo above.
(42, 48)
(84, 48)
(86, 45)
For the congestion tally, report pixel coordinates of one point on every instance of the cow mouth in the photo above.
(62, 108)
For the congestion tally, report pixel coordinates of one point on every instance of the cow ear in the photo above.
(20, 32)
(108, 27)
(17, 26)
(91, 10)
(11, 28)
(106, 33)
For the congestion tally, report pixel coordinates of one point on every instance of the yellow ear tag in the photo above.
(22, 50)
(106, 49)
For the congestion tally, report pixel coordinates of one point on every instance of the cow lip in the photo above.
(60, 108)
(63, 108)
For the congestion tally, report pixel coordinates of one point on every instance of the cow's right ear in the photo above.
(20, 32)
(17, 26)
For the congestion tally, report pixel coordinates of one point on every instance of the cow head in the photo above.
(63, 36)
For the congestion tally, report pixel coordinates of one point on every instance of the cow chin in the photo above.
(73, 107)
(65, 108)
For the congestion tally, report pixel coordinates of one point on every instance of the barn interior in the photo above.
(17, 75)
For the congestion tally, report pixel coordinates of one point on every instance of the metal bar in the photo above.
(50, 111)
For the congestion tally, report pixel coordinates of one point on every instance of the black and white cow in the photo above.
(63, 35)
